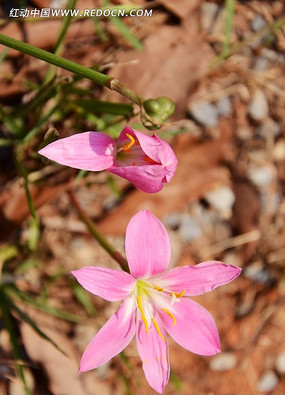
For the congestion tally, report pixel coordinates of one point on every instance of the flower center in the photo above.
(148, 300)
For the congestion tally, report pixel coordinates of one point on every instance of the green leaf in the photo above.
(84, 298)
(7, 252)
(99, 106)
(26, 318)
(14, 340)
(12, 123)
(3, 55)
(34, 234)
(41, 305)
(176, 382)
(126, 33)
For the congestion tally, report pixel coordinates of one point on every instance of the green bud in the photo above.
(156, 111)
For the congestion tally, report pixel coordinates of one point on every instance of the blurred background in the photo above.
(222, 63)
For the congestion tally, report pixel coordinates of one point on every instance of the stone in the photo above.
(260, 64)
(279, 150)
(224, 106)
(269, 128)
(267, 382)
(280, 363)
(222, 199)
(204, 113)
(222, 362)
(212, 17)
(258, 107)
(258, 23)
(258, 273)
(244, 133)
(260, 176)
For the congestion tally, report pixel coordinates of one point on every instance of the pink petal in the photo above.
(196, 280)
(111, 339)
(147, 245)
(195, 328)
(146, 178)
(107, 283)
(86, 151)
(159, 151)
(153, 352)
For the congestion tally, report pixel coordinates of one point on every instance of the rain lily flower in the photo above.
(147, 162)
(155, 301)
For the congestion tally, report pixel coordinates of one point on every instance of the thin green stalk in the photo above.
(9, 325)
(116, 255)
(58, 45)
(230, 7)
(24, 174)
(96, 76)
(271, 28)
(64, 27)
(39, 124)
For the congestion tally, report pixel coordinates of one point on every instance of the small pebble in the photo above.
(260, 176)
(267, 382)
(222, 199)
(222, 362)
(204, 113)
(269, 128)
(190, 230)
(258, 107)
(212, 17)
(224, 106)
(258, 23)
(258, 272)
(187, 225)
(243, 133)
(280, 363)
(279, 150)
(260, 64)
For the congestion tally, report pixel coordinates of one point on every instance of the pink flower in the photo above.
(154, 302)
(147, 162)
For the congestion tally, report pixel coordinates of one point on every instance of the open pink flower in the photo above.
(154, 302)
(147, 162)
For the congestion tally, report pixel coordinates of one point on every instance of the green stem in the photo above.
(116, 255)
(64, 27)
(230, 6)
(58, 45)
(96, 76)
(9, 325)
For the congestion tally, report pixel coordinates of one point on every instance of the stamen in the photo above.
(158, 288)
(171, 315)
(126, 147)
(157, 329)
(134, 163)
(139, 302)
(178, 295)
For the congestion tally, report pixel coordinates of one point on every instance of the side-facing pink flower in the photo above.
(147, 162)
(154, 302)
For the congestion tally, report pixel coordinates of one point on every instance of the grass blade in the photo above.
(14, 340)
(42, 306)
(26, 318)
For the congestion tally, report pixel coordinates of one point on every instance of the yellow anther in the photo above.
(171, 315)
(157, 329)
(126, 147)
(139, 302)
(158, 288)
(178, 295)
